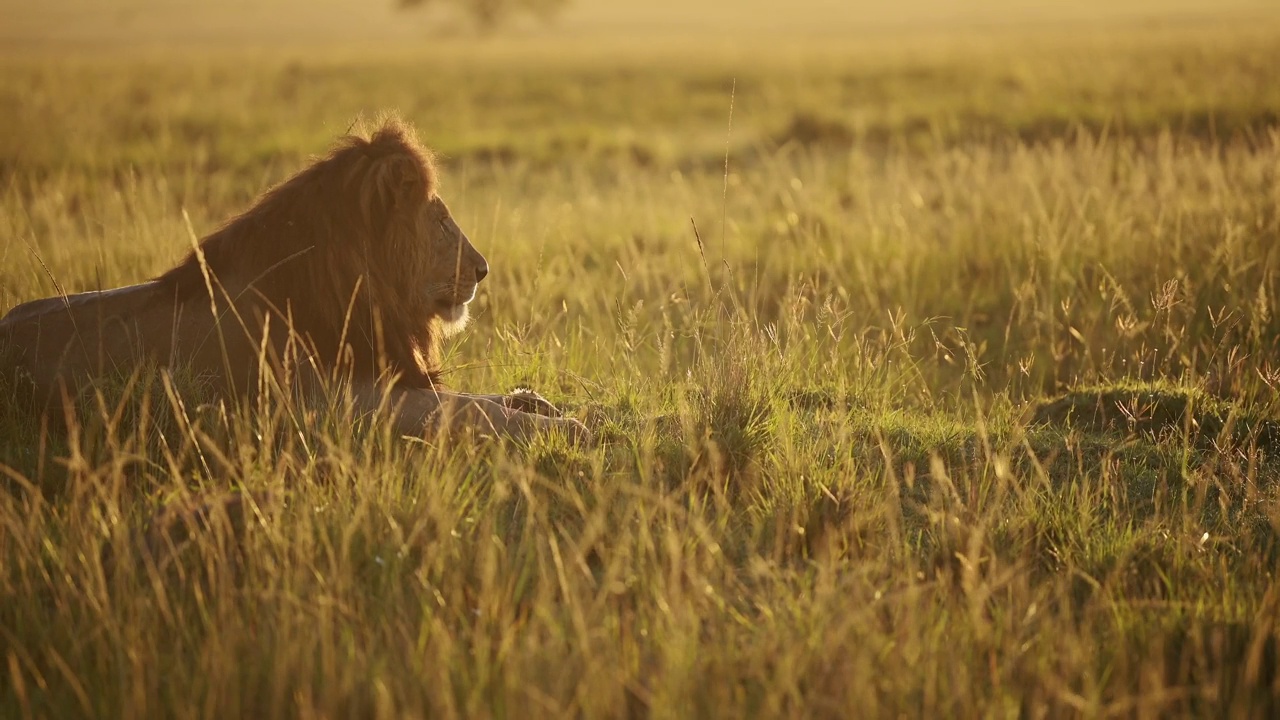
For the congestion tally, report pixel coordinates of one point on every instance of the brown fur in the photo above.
(330, 270)
(352, 269)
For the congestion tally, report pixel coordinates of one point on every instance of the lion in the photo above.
(348, 274)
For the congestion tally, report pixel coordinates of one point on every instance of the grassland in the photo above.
(960, 401)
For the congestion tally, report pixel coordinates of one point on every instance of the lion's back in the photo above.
(74, 337)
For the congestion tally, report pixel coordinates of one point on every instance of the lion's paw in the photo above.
(526, 400)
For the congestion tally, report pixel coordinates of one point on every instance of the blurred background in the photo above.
(807, 264)
(409, 22)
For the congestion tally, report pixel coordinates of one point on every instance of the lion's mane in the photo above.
(331, 253)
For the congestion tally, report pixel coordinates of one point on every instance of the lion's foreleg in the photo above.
(425, 413)
(500, 417)
(523, 400)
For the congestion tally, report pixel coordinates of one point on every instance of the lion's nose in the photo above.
(481, 271)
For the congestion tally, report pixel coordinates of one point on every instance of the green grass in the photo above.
(962, 401)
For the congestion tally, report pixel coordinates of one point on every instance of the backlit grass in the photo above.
(960, 400)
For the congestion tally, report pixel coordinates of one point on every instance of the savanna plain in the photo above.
(931, 375)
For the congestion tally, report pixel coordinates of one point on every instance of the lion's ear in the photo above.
(395, 181)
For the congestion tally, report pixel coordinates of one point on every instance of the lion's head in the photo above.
(357, 254)
(450, 285)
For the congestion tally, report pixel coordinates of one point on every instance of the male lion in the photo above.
(347, 274)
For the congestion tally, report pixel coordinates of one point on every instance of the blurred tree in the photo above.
(489, 14)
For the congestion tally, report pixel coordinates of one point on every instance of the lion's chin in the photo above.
(454, 319)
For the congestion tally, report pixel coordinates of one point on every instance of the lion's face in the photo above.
(454, 267)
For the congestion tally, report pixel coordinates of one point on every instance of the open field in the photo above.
(963, 399)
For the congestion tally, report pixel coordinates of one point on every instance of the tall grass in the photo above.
(833, 479)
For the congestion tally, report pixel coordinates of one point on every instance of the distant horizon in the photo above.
(166, 22)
